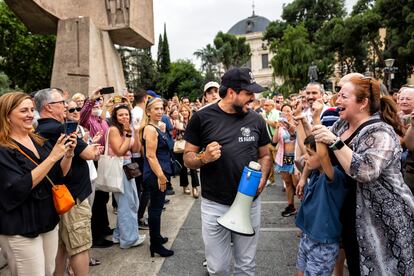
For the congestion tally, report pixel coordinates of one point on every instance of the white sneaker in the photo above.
(115, 240)
(141, 239)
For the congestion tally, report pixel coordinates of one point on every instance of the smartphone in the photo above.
(70, 127)
(283, 120)
(107, 90)
(118, 99)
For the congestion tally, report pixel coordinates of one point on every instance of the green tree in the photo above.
(232, 51)
(313, 13)
(4, 83)
(293, 54)
(159, 52)
(209, 62)
(183, 79)
(164, 54)
(398, 18)
(27, 59)
(139, 68)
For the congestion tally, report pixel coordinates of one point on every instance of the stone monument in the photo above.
(86, 30)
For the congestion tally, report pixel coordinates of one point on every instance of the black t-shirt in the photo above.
(240, 138)
(78, 182)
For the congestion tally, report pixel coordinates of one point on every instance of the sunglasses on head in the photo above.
(77, 109)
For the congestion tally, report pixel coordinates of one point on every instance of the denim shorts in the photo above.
(315, 258)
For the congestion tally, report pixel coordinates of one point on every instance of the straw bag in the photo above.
(62, 198)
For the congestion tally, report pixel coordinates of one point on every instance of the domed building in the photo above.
(252, 28)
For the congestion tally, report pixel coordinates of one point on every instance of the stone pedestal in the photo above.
(85, 56)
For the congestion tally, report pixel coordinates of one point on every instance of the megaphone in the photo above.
(237, 218)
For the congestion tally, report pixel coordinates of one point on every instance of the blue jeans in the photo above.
(156, 204)
(126, 230)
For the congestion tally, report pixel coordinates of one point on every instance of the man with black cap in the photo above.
(221, 139)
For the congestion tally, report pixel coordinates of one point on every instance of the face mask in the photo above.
(96, 112)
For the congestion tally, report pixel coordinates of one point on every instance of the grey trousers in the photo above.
(217, 241)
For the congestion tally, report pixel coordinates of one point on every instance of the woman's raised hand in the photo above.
(97, 137)
(63, 145)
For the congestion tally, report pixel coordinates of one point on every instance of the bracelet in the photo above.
(200, 157)
(69, 155)
(128, 135)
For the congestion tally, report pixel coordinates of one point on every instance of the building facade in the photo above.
(252, 28)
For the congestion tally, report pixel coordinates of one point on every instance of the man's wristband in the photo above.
(200, 157)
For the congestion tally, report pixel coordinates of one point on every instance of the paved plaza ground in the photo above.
(181, 223)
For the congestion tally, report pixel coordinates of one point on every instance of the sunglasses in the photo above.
(77, 109)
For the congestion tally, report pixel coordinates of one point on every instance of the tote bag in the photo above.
(110, 172)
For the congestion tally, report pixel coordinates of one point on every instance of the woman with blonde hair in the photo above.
(157, 171)
(184, 116)
(28, 218)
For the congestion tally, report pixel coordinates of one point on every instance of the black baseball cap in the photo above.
(240, 78)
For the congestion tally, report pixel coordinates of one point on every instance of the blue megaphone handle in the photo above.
(249, 182)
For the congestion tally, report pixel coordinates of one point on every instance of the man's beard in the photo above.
(239, 110)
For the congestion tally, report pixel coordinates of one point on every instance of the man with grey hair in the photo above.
(74, 244)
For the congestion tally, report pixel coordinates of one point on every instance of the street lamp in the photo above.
(389, 70)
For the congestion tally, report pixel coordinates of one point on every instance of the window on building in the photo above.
(265, 61)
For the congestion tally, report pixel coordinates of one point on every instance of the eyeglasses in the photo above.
(337, 88)
(77, 109)
(57, 102)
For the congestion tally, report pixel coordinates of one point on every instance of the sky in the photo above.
(192, 24)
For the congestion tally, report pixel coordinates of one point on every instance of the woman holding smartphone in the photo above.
(285, 136)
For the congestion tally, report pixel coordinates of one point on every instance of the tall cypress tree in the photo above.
(165, 54)
(159, 53)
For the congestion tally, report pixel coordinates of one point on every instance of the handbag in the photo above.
(176, 167)
(93, 174)
(179, 146)
(132, 170)
(62, 198)
(110, 172)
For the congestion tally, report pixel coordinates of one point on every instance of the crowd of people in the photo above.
(347, 155)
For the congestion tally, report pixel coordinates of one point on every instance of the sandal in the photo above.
(94, 262)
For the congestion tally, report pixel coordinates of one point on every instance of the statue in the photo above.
(85, 55)
(313, 72)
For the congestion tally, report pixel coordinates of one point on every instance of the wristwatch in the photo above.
(337, 145)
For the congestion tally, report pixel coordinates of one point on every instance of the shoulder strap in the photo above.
(28, 157)
(165, 140)
(366, 123)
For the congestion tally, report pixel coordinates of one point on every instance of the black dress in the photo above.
(25, 211)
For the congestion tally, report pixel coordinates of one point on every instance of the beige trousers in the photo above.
(31, 256)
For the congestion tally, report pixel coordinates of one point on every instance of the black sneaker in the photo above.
(289, 211)
(205, 263)
(103, 243)
(143, 225)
